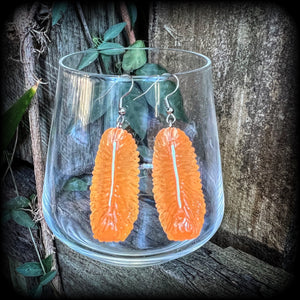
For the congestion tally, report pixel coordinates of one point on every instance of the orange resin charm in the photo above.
(177, 185)
(115, 186)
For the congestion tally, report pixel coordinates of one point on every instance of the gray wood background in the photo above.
(254, 59)
(253, 48)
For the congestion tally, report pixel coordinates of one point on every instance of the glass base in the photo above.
(146, 245)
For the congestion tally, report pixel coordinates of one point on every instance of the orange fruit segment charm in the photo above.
(177, 185)
(115, 186)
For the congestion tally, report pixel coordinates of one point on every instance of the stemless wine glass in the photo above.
(86, 105)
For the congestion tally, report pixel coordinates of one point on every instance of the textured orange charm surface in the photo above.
(115, 186)
(177, 185)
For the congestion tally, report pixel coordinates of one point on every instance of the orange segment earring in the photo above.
(115, 183)
(177, 185)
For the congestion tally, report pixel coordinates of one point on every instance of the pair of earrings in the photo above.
(177, 185)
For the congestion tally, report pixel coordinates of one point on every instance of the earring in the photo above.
(177, 185)
(115, 183)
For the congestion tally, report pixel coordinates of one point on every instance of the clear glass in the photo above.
(86, 105)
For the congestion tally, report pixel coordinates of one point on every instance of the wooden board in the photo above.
(253, 53)
(210, 271)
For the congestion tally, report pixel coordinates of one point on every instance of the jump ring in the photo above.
(171, 119)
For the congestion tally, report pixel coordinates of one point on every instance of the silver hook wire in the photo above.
(109, 89)
(173, 92)
(127, 93)
(149, 88)
(122, 110)
(171, 117)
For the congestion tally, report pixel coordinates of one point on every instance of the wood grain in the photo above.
(210, 271)
(253, 53)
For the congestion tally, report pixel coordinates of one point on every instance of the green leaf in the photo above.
(88, 57)
(30, 269)
(107, 62)
(132, 10)
(111, 115)
(136, 112)
(58, 10)
(5, 216)
(18, 281)
(17, 202)
(32, 197)
(99, 108)
(47, 277)
(47, 263)
(75, 184)
(108, 48)
(22, 218)
(165, 88)
(151, 69)
(134, 58)
(87, 179)
(37, 292)
(12, 117)
(145, 152)
(113, 31)
(175, 100)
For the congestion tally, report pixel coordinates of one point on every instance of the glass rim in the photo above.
(114, 76)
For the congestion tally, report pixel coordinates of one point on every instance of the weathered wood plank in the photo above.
(210, 271)
(253, 53)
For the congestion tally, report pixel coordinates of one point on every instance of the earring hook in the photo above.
(148, 89)
(127, 93)
(171, 117)
(173, 92)
(122, 109)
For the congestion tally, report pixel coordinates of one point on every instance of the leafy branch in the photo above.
(16, 209)
(131, 60)
(12, 117)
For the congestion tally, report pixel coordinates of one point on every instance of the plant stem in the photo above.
(126, 18)
(100, 68)
(12, 155)
(12, 176)
(37, 251)
(31, 235)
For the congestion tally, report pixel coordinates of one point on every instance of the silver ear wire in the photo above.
(122, 109)
(148, 89)
(170, 116)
